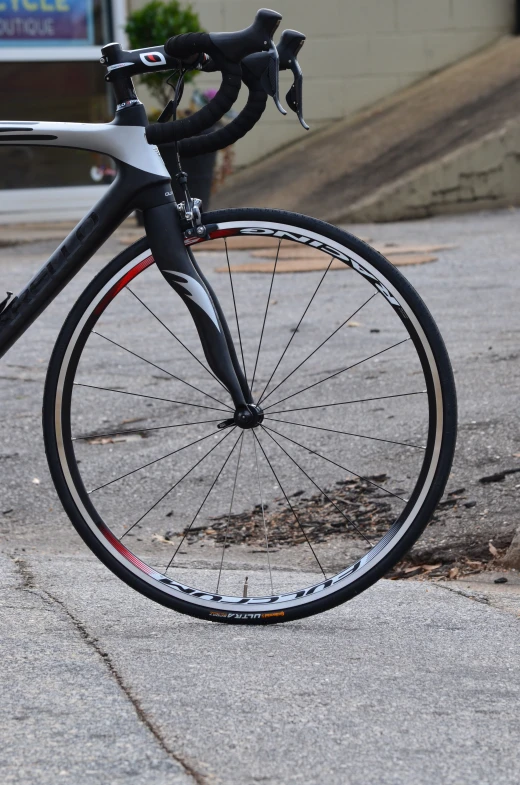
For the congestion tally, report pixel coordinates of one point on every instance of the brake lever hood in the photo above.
(263, 68)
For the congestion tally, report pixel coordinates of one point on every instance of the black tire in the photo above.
(431, 351)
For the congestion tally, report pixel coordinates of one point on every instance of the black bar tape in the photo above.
(238, 128)
(227, 94)
(187, 44)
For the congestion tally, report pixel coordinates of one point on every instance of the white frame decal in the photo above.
(125, 143)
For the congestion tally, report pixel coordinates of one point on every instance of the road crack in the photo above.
(468, 594)
(29, 585)
(499, 602)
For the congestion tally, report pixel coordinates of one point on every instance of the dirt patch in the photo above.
(354, 509)
(359, 512)
(316, 263)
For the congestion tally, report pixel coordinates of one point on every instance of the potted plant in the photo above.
(157, 21)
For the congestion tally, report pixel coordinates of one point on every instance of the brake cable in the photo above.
(189, 209)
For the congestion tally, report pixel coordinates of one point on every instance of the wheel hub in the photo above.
(249, 416)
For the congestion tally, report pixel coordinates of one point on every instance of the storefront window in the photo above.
(38, 82)
(69, 92)
(54, 22)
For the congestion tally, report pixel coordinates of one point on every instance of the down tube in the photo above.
(127, 192)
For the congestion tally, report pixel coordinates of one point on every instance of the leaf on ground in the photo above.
(453, 573)
(409, 572)
(131, 436)
(160, 538)
(493, 551)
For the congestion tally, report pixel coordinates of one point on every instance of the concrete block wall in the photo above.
(480, 175)
(357, 51)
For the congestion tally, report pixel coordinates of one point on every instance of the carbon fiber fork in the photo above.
(180, 270)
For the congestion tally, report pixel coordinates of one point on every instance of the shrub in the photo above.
(152, 25)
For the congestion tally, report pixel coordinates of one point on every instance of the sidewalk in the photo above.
(35, 215)
(411, 683)
(42, 205)
(408, 683)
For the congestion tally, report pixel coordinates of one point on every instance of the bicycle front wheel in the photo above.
(286, 519)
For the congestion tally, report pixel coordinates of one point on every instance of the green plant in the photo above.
(153, 24)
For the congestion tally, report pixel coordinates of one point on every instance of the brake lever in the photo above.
(170, 110)
(288, 48)
(167, 112)
(264, 67)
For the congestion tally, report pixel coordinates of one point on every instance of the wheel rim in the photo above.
(276, 436)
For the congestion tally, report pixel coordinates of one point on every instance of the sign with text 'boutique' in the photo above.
(46, 22)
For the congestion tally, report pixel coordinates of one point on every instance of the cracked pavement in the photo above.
(412, 682)
(104, 686)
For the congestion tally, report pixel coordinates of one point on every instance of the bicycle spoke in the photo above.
(139, 430)
(337, 373)
(265, 316)
(151, 397)
(325, 494)
(263, 514)
(208, 370)
(236, 311)
(176, 484)
(194, 528)
(296, 329)
(186, 531)
(344, 468)
(344, 403)
(230, 509)
(344, 433)
(289, 504)
(159, 368)
(144, 466)
(321, 344)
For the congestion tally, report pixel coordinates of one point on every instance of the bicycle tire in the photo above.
(325, 594)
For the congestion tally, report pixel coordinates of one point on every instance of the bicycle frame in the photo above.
(144, 183)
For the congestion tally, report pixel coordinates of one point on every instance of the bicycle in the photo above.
(312, 497)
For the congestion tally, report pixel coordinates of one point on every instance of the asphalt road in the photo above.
(410, 683)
